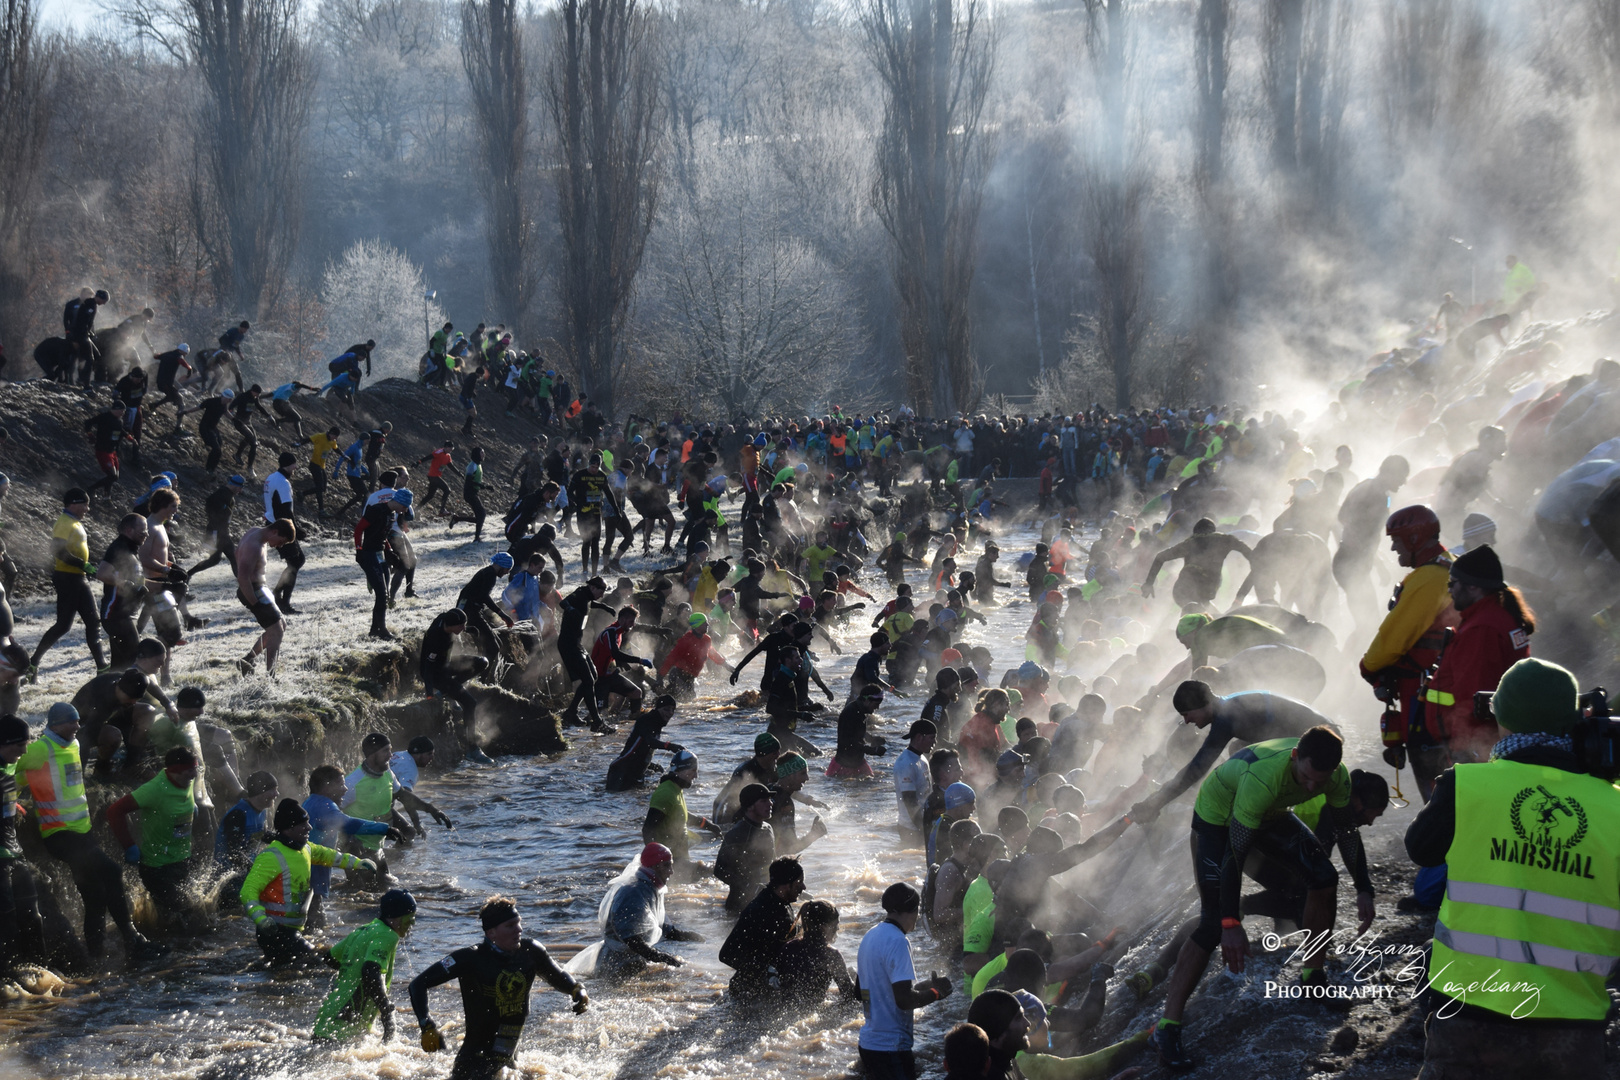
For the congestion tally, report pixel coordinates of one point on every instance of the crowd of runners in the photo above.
(881, 533)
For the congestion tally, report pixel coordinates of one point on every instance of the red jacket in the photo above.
(1486, 643)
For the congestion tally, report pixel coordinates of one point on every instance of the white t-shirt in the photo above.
(884, 959)
(403, 766)
(276, 483)
(911, 774)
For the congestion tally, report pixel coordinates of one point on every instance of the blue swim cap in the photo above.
(161, 482)
(1029, 669)
(237, 480)
(404, 497)
(760, 440)
(959, 794)
(501, 559)
(170, 475)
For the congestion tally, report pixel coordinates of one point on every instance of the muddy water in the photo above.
(541, 830)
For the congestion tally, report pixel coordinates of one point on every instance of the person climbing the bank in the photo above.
(359, 994)
(436, 459)
(281, 404)
(373, 528)
(445, 674)
(252, 594)
(321, 446)
(496, 977)
(54, 774)
(1250, 717)
(242, 410)
(276, 892)
(1244, 807)
(472, 486)
(217, 510)
(70, 553)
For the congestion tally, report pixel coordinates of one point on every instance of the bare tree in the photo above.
(1306, 71)
(492, 53)
(387, 67)
(602, 90)
(1603, 39)
(753, 320)
(26, 63)
(258, 80)
(934, 59)
(1211, 51)
(1212, 41)
(1114, 195)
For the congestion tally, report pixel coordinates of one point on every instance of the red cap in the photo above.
(656, 855)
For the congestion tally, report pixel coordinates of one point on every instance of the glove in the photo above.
(733, 677)
(368, 865)
(442, 820)
(879, 746)
(671, 959)
(388, 1024)
(432, 1041)
(90, 569)
(646, 663)
(940, 985)
(675, 748)
(712, 829)
(1143, 814)
(132, 854)
(582, 1000)
(393, 834)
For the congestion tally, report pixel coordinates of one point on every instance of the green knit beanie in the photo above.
(789, 764)
(1535, 695)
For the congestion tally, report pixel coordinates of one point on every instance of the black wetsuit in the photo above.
(217, 510)
(494, 998)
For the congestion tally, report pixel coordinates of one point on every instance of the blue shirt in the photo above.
(326, 821)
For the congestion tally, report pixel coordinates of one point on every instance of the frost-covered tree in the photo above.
(375, 292)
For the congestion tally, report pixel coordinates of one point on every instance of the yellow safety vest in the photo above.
(1530, 925)
(277, 887)
(55, 778)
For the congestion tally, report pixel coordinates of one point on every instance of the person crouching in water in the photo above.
(635, 920)
(366, 967)
(276, 892)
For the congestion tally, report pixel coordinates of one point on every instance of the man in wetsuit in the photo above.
(168, 366)
(765, 926)
(474, 599)
(22, 931)
(442, 675)
(242, 410)
(748, 847)
(587, 492)
(1203, 554)
(107, 435)
(759, 769)
(1250, 717)
(1361, 522)
(213, 410)
(217, 509)
(496, 976)
(570, 629)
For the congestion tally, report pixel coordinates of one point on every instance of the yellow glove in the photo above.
(432, 1041)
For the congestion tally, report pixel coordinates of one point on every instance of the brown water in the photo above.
(541, 830)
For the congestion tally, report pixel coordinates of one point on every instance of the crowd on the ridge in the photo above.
(799, 536)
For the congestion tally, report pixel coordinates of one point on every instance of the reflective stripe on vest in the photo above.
(1536, 903)
(1523, 952)
(57, 788)
(1439, 697)
(1530, 924)
(293, 905)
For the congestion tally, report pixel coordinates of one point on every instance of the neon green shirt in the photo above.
(347, 1011)
(166, 816)
(1258, 783)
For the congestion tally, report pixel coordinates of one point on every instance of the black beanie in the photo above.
(290, 815)
(13, 730)
(1480, 568)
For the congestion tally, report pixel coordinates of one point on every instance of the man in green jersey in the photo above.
(1244, 808)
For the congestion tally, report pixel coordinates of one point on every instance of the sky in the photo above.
(75, 14)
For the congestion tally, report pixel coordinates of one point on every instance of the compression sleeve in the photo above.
(1341, 822)
(1240, 838)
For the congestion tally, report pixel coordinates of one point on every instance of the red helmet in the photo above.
(1419, 529)
(655, 855)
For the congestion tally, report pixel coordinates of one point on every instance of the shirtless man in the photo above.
(252, 594)
(1203, 553)
(162, 575)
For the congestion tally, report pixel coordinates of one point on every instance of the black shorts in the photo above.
(1289, 853)
(614, 681)
(268, 614)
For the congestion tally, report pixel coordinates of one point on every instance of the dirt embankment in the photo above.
(48, 452)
